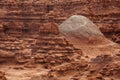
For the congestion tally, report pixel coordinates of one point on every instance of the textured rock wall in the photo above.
(99, 11)
(105, 13)
(47, 49)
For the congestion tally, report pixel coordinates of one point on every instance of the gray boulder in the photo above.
(80, 27)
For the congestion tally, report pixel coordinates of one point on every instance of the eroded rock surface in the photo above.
(31, 47)
(81, 27)
(2, 76)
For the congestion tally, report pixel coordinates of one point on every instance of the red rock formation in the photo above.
(105, 16)
(48, 48)
(49, 28)
(2, 76)
(29, 36)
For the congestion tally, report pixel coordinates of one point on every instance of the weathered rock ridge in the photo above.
(103, 13)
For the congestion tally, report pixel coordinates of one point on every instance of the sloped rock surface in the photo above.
(81, 28)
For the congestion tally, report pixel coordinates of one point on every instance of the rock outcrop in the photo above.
(105, 16)
(2, 76)
(82, 28)
(30, 40)
(45, 46)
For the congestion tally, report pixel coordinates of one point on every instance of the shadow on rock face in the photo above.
(2, 76)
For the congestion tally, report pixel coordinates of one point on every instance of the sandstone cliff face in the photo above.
(30, 41)
(106, 14)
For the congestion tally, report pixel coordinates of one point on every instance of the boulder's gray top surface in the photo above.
(80, 26)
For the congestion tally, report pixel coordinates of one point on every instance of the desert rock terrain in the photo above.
(59, 40)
